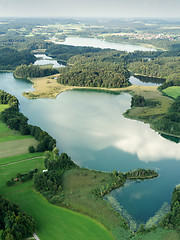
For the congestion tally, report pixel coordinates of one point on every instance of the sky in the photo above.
(91, 8)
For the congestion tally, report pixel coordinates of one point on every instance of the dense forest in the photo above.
(33, 71)
(14, 223)
(105, 69)
(164, 67)
(11, 58)
(19, 42)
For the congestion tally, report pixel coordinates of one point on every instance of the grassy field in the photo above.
(52, 222)
(149, 114)
(12, 142)
(78, 187)
(16, 147)
(173, 92)
(21, 157)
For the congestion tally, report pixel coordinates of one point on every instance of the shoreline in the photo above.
(48, 87)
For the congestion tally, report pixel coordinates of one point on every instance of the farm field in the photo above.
(173, 91)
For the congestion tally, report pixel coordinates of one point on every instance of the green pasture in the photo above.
(21, 157)
(52, 222)
(173, 91)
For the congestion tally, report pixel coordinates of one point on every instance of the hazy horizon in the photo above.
(91, 9)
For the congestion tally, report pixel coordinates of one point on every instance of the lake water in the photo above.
(42, 59)
(145, 81)
(90, 127)
(98, 43)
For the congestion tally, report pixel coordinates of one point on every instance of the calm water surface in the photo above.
(90, 127)
(145, 81)
(98, 43)
(42, 59)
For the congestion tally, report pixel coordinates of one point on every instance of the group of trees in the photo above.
(140, 101)
(169, 84)
(141, 174)
(6, 98)
(14, 223)
(49, 183)
(103, 69)
(33, 71)
(22, 177)
(169, 122)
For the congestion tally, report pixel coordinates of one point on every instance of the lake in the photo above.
(98, 43)
(90, 127)
(145, 81)
(42, 59)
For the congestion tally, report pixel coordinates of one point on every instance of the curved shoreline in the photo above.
(48, 87)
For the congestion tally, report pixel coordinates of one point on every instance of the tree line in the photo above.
(14, 223)
(17, 121)
(33, 71)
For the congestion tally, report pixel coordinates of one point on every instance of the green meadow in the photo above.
(52, 222)
(173, 91)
